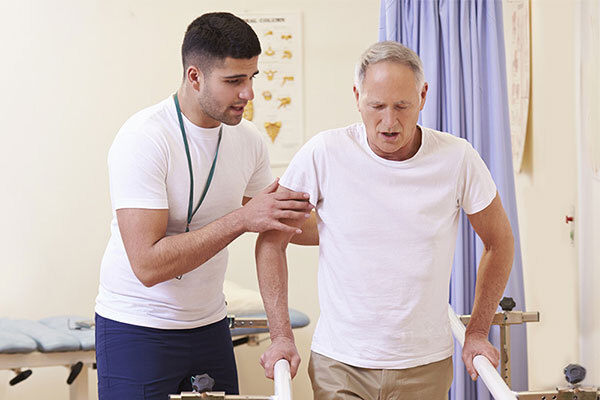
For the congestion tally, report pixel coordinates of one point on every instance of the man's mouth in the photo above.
(239, 108)
(390, 134)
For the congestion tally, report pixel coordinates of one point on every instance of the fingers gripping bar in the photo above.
(492, 379)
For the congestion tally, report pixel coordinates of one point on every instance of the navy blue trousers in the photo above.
(139, 363)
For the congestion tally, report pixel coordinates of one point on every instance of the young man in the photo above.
(179, 174)
(388, 195)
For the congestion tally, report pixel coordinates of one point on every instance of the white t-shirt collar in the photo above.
(193, 130)
(393, 163)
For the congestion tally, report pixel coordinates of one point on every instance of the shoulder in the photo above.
(444, 138)
(156, 120)
(147, 129)
(153, 118)
(446, 142)
(336, 138)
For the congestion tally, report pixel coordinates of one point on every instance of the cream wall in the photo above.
(547, 192)
(587, 105)
(73, 71)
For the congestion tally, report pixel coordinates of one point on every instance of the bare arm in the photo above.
(271, 264)
(310, 232)
(493, 227)
(156, 258)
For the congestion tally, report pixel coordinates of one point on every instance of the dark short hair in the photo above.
(214, 36)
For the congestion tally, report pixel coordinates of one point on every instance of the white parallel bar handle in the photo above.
(492, 379)
(283, 380)
(483, 366)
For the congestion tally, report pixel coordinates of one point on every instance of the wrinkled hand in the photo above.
(265, 211)
(280, 348)
(476, 344)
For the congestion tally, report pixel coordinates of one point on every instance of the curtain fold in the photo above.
(461, 43)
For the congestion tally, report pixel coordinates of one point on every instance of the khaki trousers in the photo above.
(333, 380)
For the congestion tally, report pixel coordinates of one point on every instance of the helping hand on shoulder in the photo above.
(264, 211)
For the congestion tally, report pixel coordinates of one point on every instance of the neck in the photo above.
(192, 110)
(406, 152)
(415, 144)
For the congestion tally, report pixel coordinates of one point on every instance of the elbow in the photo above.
(148, 282)
(503, 247)
(509, 243)
(144, 275)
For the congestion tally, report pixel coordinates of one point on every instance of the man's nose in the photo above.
(390, 120)
(247, 92)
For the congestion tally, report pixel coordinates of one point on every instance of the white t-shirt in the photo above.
(148, 169)
(387, 231)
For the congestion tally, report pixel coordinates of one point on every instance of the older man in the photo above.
(388, 195)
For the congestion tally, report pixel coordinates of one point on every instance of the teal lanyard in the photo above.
(191, 213)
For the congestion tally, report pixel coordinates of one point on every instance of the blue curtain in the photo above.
(461, 44)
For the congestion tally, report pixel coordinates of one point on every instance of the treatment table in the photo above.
(69, 340)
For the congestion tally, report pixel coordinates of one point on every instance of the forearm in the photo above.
(492, 276)
(271, 267)
(176, 255)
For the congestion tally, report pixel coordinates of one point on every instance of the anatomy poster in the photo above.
(277, 108)
(516, 35)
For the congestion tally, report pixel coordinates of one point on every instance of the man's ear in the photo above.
(194, 77)
(423, 95)
(356, 96)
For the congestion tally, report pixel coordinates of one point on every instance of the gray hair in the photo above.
(389, 51)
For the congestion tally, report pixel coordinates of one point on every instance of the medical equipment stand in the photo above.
(505, 319)
(574, 374)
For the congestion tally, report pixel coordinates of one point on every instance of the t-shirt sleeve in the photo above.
(137, 169)
(476, 186)
(303, 173)
(262, 176)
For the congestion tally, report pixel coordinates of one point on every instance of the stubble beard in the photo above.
(214, 110)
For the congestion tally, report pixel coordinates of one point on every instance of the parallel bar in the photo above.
(283, 380)
(483, 366)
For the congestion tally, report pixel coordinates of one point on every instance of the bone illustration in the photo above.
(272, 129)
(284, 102)
(267, 95)
(286, 79)
(270, 74)
(249, 111)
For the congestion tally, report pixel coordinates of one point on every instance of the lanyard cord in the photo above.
(190, 213)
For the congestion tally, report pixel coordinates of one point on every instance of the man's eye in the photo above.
(377, 106)
(232, 81)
